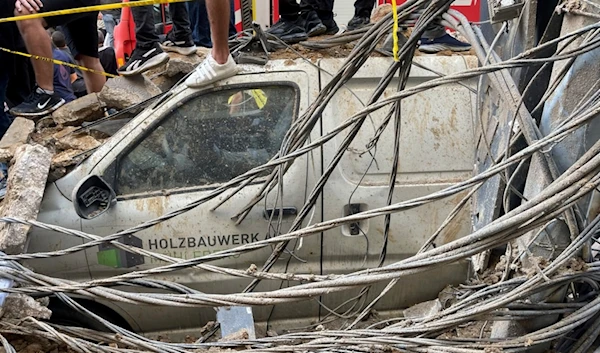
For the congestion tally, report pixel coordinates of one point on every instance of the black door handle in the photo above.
(287, 211)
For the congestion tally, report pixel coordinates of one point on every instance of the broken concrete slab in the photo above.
(65, 159)
(181, 64)
(20, 306)
(25, 189)
(17, 135)
(86, 108)
(123, 92)
(423, 309)
(77, 142)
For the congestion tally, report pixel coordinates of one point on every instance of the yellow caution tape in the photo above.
(37, 57)
(87, 9)
(395, 30)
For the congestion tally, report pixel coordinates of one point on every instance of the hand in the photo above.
(33, 6)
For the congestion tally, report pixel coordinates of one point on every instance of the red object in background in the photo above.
(469, 8)
(275, 8)
(239, 25)
(124, 33)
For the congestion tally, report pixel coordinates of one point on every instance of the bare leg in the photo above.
(218, 15)
(93, 82)
(37, 42)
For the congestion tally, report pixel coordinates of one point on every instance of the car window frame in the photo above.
(111, 172)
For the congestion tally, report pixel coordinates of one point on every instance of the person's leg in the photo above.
(43, 99)
(219, 64)
(148, 53)
(362, 14)
(324, 10)
(289, 10)
(93, 82)
(203, 26)
(311, 21)
(218, 17)
(145, 34)
(435, 39)
(37, 42)
(232, 29)
(180, 39)
(4, 119)
(109, 24)
(80, 36)
(363, 8)
(290, 28)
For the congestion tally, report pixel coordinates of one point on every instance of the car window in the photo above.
(209, 139)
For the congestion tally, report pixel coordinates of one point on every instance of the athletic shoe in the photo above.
(332, 27)
(183, 47)
(358, 22)
(143, 60)
(445, 42)
(209, 71)
(312, 24)
(38, 104)
(288, 31)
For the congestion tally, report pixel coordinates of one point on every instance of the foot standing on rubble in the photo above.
(149, 53)
(307, 19)
(81, 34)
(434, 40)
(219, 63)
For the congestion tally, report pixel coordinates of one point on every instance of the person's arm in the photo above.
(73, 77)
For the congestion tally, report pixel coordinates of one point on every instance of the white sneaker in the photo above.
(209, 71)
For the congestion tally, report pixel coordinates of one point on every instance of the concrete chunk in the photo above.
(20, 306)
(181, 64)
(17, 134)
(86, 108)
(423, 309)
(25, 189)
(123, 92)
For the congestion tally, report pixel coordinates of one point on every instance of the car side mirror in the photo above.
(92, 197)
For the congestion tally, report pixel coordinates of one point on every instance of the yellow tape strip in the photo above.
(88, 9)
(37, 57)
(395, 30)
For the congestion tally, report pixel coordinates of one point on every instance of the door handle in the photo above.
(287, 211)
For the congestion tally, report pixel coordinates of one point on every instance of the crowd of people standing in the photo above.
(87, 39)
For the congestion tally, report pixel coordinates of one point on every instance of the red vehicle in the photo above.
(125, 31)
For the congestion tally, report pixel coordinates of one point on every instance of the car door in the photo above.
(191, 145)
(436, 150)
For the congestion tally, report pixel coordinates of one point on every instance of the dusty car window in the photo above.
(210, 139)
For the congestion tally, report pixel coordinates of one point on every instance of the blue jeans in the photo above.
(199, 22)
(5, 120)
(109, 23)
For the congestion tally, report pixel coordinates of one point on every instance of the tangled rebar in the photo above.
(571, 270)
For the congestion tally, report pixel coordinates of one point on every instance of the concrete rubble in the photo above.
(18, 306)
(26, 184)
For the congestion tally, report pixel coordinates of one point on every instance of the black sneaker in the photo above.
(445, 42)
(358, 22)
(143, 59)
(312, 24)
(332, 27)
(38, 104)
(183, 47)
(288, 31)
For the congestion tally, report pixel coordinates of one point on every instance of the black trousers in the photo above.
(363, 8)
(145, 32)
(290, 9)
